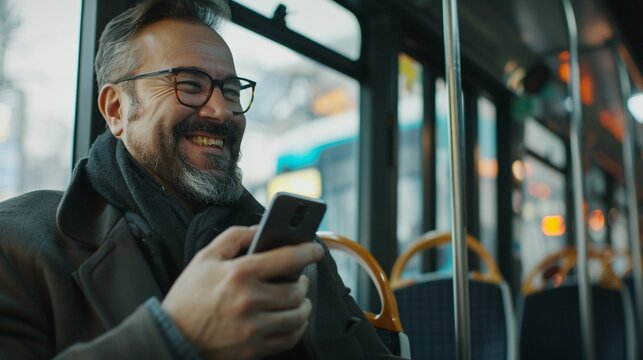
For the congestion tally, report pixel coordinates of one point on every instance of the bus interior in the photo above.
(352, 106)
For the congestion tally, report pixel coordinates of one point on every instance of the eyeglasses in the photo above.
(193, 87)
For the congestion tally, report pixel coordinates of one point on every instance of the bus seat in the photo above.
(387, 323)
(427, 307)
(550, 320)
(563, 261)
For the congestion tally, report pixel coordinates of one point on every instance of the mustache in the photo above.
(191, 125)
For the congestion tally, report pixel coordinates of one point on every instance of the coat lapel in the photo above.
(117, 267)
(115, 277)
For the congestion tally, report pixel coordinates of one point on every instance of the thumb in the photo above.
(230, 242)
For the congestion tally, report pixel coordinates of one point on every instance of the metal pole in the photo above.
(458, 229)
(629, 163)
(576, 118)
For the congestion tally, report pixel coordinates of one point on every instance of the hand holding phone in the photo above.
(290, 219)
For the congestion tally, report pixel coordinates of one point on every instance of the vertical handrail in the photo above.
(458, 231)
(576, 118)
(629, 164)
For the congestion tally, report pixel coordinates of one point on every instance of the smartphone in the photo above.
(290, 219)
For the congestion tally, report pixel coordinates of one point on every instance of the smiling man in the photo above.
(160, 119)
(140, 257)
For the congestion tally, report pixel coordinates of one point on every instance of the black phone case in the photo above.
(289, 220)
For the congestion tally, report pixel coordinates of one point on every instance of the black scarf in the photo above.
(171, 235)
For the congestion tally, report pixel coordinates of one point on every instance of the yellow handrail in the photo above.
(433, 239)
(567, 256)
(389, 317)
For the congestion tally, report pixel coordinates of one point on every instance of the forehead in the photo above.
(172, 43)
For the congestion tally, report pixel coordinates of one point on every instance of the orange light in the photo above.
(563, 68)
(488, 168)
(586, 87)
(553, 225)
(596, 220)
(563, 71)
(613, 124)
(563, 56)
(586, 81)
(517, 170)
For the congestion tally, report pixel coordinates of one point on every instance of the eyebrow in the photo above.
(227, 75)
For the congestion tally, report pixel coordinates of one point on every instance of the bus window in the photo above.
(311, 19)
(302, 131)
(38, 67)
(618, 232)
(442, 172)
(596, 197)
(487, 172)
(409, 188)
(541, 141)
(544, 224)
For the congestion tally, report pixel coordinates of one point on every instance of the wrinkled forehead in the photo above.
(172, 43)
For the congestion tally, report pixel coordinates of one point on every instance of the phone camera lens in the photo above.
(295, 220)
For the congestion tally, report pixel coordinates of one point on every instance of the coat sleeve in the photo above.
(23, 334)
(27, 331)
(43, 315)
(137, 337)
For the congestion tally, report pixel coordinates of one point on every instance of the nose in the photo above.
(216, 108)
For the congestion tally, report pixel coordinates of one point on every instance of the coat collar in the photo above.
(83, 215)
(115, 278)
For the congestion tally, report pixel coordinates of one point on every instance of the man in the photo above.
(157, 211)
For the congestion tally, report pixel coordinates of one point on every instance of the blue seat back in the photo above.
(550, 324)
(427, 312)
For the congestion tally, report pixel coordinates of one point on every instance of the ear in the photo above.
(109, 104)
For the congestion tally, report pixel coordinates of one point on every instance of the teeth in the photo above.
(206, 141)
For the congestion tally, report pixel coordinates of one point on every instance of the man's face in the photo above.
(193, 152)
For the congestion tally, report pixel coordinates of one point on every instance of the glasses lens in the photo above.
(239, 93)
(192, 87)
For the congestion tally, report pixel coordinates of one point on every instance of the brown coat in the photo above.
(73, 281)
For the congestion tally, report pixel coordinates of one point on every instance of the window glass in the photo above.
(544, 143)
(487, 173)
(442, 172)
(544, 223)
(302, 131)
(596, 190)
(323, 21)
(618, 231)
(38, 70)
(409, 185)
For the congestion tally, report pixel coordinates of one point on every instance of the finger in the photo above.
(281, 296)
(284, 322)
(282, 261)
(230, 242)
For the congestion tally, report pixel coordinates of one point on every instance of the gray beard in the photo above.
(206, 188)
(197, 185)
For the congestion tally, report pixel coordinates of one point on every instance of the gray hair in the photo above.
(117, 55)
